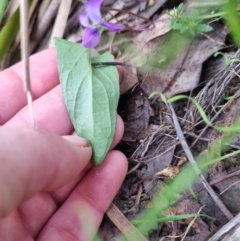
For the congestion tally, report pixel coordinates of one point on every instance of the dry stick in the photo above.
(229, 232)
(134, 168)
(18, 38)
(233, 184)
(119, 4)
(123, 224)
(137, 201)
(236, 146)
(43, 8)
(72, 23)
(61, 21)
(221, 179)
(25, 55)
(129, 12)
(44, 24)
(191, 224)
(189, 155)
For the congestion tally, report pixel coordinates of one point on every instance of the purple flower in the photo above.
(92, 34)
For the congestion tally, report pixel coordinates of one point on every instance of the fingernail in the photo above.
(78, 141)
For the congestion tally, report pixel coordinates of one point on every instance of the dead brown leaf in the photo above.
(172, 70)
(162, 26)
(130, 79)
(169, 171)
(138, 112)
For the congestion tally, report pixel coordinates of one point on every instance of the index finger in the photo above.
(43, 76)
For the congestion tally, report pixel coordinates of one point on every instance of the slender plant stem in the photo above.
(25, 55)
(190, 157)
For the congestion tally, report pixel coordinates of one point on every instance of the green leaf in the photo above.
(90, 93)
(178, 26)
(193, 194)
(203, 28)
(179, 8)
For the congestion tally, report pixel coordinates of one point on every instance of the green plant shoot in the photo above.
(183, 22)
(226, 58)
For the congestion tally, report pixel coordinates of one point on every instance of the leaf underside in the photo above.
(90, 93)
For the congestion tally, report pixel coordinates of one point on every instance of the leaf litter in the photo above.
(158, 151)
(183, 72)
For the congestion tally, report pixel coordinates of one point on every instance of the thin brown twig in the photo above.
(157, 156)
(233, 184)
(191, 224)
(232, 145)
(221, 179)
(129, 12)
(134, 168)
(174, 231)
(214, 182)
(137, 201)
(183, 235)
(190, 157)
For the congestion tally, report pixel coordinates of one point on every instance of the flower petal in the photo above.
(112, 26)
(91, 37)
(83, 19)
(92, 9)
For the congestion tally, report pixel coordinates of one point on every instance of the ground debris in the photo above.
(180, 72)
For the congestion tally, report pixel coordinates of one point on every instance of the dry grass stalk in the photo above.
(210, 96)
(44, 24)
(61, 21)
(190, 157)
(124, 225)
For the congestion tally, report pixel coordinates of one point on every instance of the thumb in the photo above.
(36, 160)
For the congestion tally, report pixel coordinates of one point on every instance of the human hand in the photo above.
(48, 189)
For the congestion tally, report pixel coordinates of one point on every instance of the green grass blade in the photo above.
(3, 6)
(180, 97)
(232, 20)
(8, 34)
